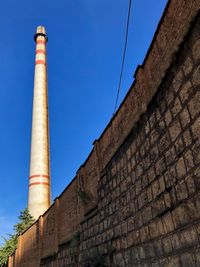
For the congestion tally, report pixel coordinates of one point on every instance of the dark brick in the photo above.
(130, 224)
(189, 161)
(158, 248)
(168, 117)
(147, 214)
(179, 146)
(196, 76)
(145, 181)
(180, 168)
(142, 199)
(178, 80)
(187, 66)
(149, 194)
(132, 207)
(160, 126)
(151, 174)
(195, 51)
(148, 250)
(188, 238)
(176, 108)
(173, 196)
(136, 237)
(139, 170)
(123, 186)
(170, 156)
(187, 137)
(144, 234)
(146, 144)
(128, 153)
(181, 191)
(194, 105)
(124, 228)
(147, 127)
(175, 130)
(181, 216)
(197, 257)
(161, 184)
(128, 167)
(153, 229)
(195, 150)
(190, 184)
(160, 166)
(170, 177)
(167, 199)
(174, 261)
(164, 142)
(185, 117)
(155, 188)
(164, 262)
(167, 245)
(154, 153)
(154, 135)
(158, 207)
(138, 187)
(169, 96)
(168, 223)
(176, 244)
(185, 92)
(163, 106)
(158, 115)
(196, 177)
(133, 162)
(187, 260)
(141, 253)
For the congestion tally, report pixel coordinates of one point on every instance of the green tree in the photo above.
(7, 249)
(25, 221)
(10, 244)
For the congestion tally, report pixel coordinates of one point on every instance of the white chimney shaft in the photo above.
(39, 198)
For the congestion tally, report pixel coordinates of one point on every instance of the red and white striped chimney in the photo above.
(39, 198)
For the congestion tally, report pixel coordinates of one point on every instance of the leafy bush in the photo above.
(10, 244)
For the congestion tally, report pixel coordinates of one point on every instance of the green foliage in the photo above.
(25, 221)
(93, 259)
(10, 244)
(7, 249)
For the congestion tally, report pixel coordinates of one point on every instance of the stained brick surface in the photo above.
(148, 196)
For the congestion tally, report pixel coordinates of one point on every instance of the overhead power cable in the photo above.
(123, 57)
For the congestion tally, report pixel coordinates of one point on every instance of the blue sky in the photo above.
(86, 40)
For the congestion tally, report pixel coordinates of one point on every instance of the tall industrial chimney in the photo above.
(39, 179)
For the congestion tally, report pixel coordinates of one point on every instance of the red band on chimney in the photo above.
(39, 183)
(40, 61)
(41, 42)
(38, 175)
(40, 51)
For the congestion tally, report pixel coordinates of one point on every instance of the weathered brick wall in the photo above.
(135, 200)
(28, 251)
(67, 255)
(68, 212)
(50, 232)
(148, 196)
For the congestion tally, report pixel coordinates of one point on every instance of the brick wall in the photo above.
(135, 200)
(148, 196)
